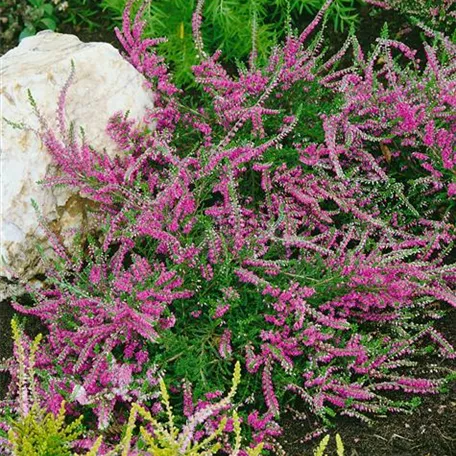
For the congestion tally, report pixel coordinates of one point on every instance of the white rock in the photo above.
(104, 83)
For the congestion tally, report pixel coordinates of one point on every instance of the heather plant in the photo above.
(228, 26)
(37, 433)
(437, 14)
(247, 228)
(33, 431)
(400, 113)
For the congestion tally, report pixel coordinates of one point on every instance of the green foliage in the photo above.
(43, 434)
(230, 25)
(343, 13)
(27, 17)
(22, 18)
(87, 14)
(320, 450)
(439, 15)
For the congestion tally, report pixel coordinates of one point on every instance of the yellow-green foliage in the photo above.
(26, 369)
(41, 434)
(35, 432)
(320, 450)
(167, 440)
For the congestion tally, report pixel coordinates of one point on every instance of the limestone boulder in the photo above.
(104, 83)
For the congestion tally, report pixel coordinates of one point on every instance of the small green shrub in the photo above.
(43, 434)
(27, 17)
(228, 26)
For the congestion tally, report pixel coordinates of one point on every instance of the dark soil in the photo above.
(429, 431)
(6, 344)
(103, 34)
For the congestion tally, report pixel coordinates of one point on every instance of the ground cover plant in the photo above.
(437, 14)
(36, 432)
(25, 18)
(296, 217)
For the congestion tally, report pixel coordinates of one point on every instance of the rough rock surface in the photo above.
(104, 83)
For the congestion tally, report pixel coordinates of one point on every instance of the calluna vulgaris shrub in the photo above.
(296, 217)
(439, 14)
(33, 432)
